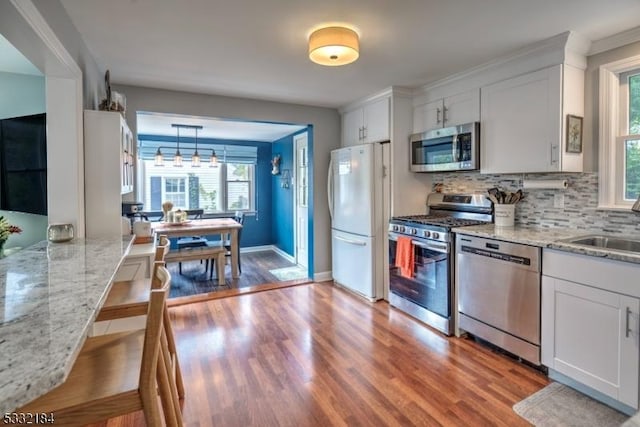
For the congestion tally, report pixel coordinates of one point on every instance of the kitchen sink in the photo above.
(607, 242)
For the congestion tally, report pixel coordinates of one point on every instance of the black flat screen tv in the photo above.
(23, 164)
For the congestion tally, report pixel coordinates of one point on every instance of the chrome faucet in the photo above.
(636, 205)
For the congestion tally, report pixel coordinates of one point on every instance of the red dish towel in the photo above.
(404, 256)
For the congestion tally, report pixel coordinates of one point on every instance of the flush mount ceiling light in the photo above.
(333, 46)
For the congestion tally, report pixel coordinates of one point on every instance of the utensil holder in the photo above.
(504, 215)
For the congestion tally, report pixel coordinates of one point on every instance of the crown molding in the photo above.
(557, 43)
(614, 41)
(388, 92)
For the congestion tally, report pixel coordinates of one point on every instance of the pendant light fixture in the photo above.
(213, 160)
(159, 160)
(334, 46)
(177, 160)
(195, 159)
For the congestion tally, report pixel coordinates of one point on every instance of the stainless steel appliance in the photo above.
(447, 149)
(499, 293)
(428, 294)
(133, 211)
(130, 208)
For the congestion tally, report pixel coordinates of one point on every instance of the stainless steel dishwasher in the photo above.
(498, 286)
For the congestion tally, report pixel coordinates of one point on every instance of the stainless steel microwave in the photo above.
(454, 148)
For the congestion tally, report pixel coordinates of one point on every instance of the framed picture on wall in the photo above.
(574, 134)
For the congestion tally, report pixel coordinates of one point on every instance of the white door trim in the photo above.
(294, 187)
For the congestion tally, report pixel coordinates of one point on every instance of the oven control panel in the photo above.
(419, 232)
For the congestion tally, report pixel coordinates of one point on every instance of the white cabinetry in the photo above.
(450, 111)
(590, 324)
(109, 166)
(366, 124)
(524, 119)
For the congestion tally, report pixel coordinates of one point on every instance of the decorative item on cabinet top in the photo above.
(114, 101)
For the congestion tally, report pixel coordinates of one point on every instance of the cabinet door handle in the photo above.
(359, 133)
(627, 328)
(444, 115)
(554, 160)
(438, 115)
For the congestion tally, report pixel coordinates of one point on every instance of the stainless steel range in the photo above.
(426, 292)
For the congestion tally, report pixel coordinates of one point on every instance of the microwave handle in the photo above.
(456, 152)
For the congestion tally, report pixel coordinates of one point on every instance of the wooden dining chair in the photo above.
(131, 298)
(117, 374)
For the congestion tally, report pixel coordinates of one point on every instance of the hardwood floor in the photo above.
(314, 355)
(255, 271)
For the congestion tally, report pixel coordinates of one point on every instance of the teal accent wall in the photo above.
(282, 204)
(22, 95)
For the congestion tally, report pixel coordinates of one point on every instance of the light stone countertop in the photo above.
(49, 296)
(549, 238)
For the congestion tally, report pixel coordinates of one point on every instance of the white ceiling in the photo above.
(258, 48)
(12, 61)
(160, 124)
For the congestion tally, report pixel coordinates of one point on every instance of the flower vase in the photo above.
(2, 242)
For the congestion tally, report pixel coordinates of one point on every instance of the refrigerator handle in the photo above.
(330, 188)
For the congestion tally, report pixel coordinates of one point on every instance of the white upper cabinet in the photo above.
(369, 123)
(109, 170)
(523, 121)
(449, 111)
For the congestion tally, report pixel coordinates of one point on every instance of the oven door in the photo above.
(429, 286)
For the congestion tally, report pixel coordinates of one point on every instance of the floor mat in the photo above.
(559, 405)
(289, 273)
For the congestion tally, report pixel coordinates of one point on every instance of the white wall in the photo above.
(326, 137)
(22, 95)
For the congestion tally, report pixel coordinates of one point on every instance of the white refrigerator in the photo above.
(358, 191)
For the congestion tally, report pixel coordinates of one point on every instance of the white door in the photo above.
(301, 210)
(352, 189)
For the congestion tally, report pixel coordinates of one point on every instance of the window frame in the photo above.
(185, 193)
(250, 181)
(613, 113)
(223, 185)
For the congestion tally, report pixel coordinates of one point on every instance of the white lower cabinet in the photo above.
(133, 268)
(590, 331)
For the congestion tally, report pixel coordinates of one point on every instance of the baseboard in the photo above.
(323, 276)
(595, 394)
(256, 248)
(283, 253)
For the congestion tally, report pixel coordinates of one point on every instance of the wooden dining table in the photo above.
(205, 227)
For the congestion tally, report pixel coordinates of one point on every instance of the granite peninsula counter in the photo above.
(49, 296)
(550, 239)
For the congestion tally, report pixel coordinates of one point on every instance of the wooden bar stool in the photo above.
(117, 374)
(131, 298)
